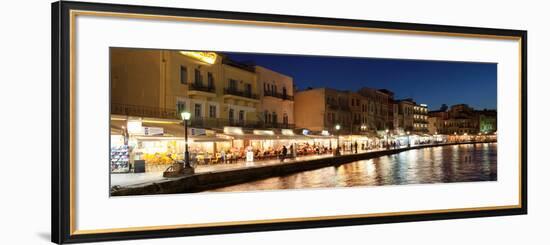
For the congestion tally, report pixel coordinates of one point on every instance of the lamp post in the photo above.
(337, 152)
(387, 139)
(186, 116)
(408, 139)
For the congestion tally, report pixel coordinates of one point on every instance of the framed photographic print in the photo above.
(174, 122)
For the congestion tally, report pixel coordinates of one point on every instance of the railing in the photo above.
(207, 122)
(204, 122)
(144, 111)
(420, 121)
(278, 95)
(250, 95)
(277, 125)
(201, 87)
(333, 106)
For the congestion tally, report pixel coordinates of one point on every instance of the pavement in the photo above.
(127, 179)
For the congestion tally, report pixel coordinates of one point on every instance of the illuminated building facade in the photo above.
(161, 83)
(420, 118)
(277, 98)
(322, 109)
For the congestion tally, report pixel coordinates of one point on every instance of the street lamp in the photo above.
(186, 116)
(387, 139)
(337, 152)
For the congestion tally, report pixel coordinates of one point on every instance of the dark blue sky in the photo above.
(427, 82)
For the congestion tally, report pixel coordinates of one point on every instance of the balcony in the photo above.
(278, 95)
(205, 122)
(422, 121)
(144, 111)
(201, 87)
(244, 94)
(276, 125)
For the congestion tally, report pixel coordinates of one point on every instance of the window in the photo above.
(265, 116)
(212, 111)
(248, 89)
(180, 106)
(183, 75)
(241, 115)
(210, 80)
(232, 84)
(284, 92)
(285, 118)
(198, 110)
(231, 115)
(198, 78)
(274, 117)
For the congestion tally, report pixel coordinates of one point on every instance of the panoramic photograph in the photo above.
(190, 121)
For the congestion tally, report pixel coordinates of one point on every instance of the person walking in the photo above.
(283, 153)
(222, 154)
(355, 144)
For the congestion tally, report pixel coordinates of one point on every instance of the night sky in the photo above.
(427, 82)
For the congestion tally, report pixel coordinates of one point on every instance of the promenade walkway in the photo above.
(126, 179)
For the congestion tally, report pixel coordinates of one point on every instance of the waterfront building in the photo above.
(161, 83)
(357, 105)
(420, 120)
(277, 98)
(405, 114)
(435, 125)
(321, 109)
(233, 107)
(462, 119)
(487, 121)
(379, 103)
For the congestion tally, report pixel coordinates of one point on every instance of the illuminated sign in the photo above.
(325, 133)
(287, 132)
(134, 127)
(305, 132)
(223, 136)
(263, 132)
(206, 57)
(153, 131)
(232, 130)
(198, 131)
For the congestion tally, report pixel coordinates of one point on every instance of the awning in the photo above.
(170, 129)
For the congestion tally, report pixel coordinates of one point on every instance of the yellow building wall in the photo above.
(151, 78)
(309, 109)
(175, 90)
(236, 102)
(271, 104)
(136, 77)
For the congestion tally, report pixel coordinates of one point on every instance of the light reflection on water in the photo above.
(443, 164)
